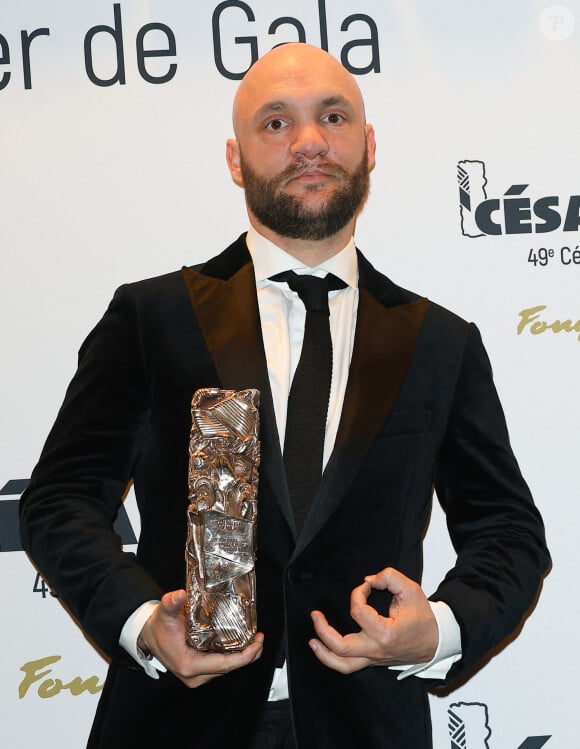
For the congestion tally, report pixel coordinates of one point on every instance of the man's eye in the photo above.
(276, 124)
(334, 118)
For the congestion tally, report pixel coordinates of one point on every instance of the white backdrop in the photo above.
(102, 184)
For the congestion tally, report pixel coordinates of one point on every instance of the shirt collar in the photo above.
(269, 259)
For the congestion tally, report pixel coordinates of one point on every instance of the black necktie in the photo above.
(309, 392)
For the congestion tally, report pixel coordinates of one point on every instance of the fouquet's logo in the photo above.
(469, 728)
(39, 674)
(533, 320)
(512, 213)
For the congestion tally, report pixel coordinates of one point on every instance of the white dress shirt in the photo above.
(282, 316)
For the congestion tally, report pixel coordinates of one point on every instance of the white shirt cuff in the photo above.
(448, 650)
(130, 633)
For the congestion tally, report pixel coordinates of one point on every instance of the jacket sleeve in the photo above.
(68, 510)
(495, 528)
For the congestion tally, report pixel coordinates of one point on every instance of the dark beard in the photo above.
(285, 214)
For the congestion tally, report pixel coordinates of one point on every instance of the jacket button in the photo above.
(294, 577)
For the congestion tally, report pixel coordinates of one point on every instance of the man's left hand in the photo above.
(409, 635)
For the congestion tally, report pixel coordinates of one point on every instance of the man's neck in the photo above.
(308, 252)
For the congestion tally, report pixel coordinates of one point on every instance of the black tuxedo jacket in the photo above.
(420, 412)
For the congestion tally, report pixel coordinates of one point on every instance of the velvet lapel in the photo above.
(228, 315)
(385, 340)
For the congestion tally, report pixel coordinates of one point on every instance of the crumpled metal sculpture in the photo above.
(224, 458)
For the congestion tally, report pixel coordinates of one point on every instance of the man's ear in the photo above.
(233, 160)
(371, 146)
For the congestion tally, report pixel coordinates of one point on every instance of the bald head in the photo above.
(290, 70)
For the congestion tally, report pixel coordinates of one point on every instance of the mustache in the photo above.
(325, 167)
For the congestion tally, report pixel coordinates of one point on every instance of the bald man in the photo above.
(348, 640)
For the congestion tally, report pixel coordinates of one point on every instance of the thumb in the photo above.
(173, 602)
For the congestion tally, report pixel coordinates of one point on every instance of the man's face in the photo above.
(303, 151)
(288, 214)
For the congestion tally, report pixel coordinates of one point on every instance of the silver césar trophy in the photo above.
(224, 457)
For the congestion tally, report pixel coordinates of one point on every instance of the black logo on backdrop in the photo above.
(513, 212)
(469, 728)
(9, 526)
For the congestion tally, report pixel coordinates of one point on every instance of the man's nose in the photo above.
(310, 141)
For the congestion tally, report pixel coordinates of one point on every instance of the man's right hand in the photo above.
(164, 635)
